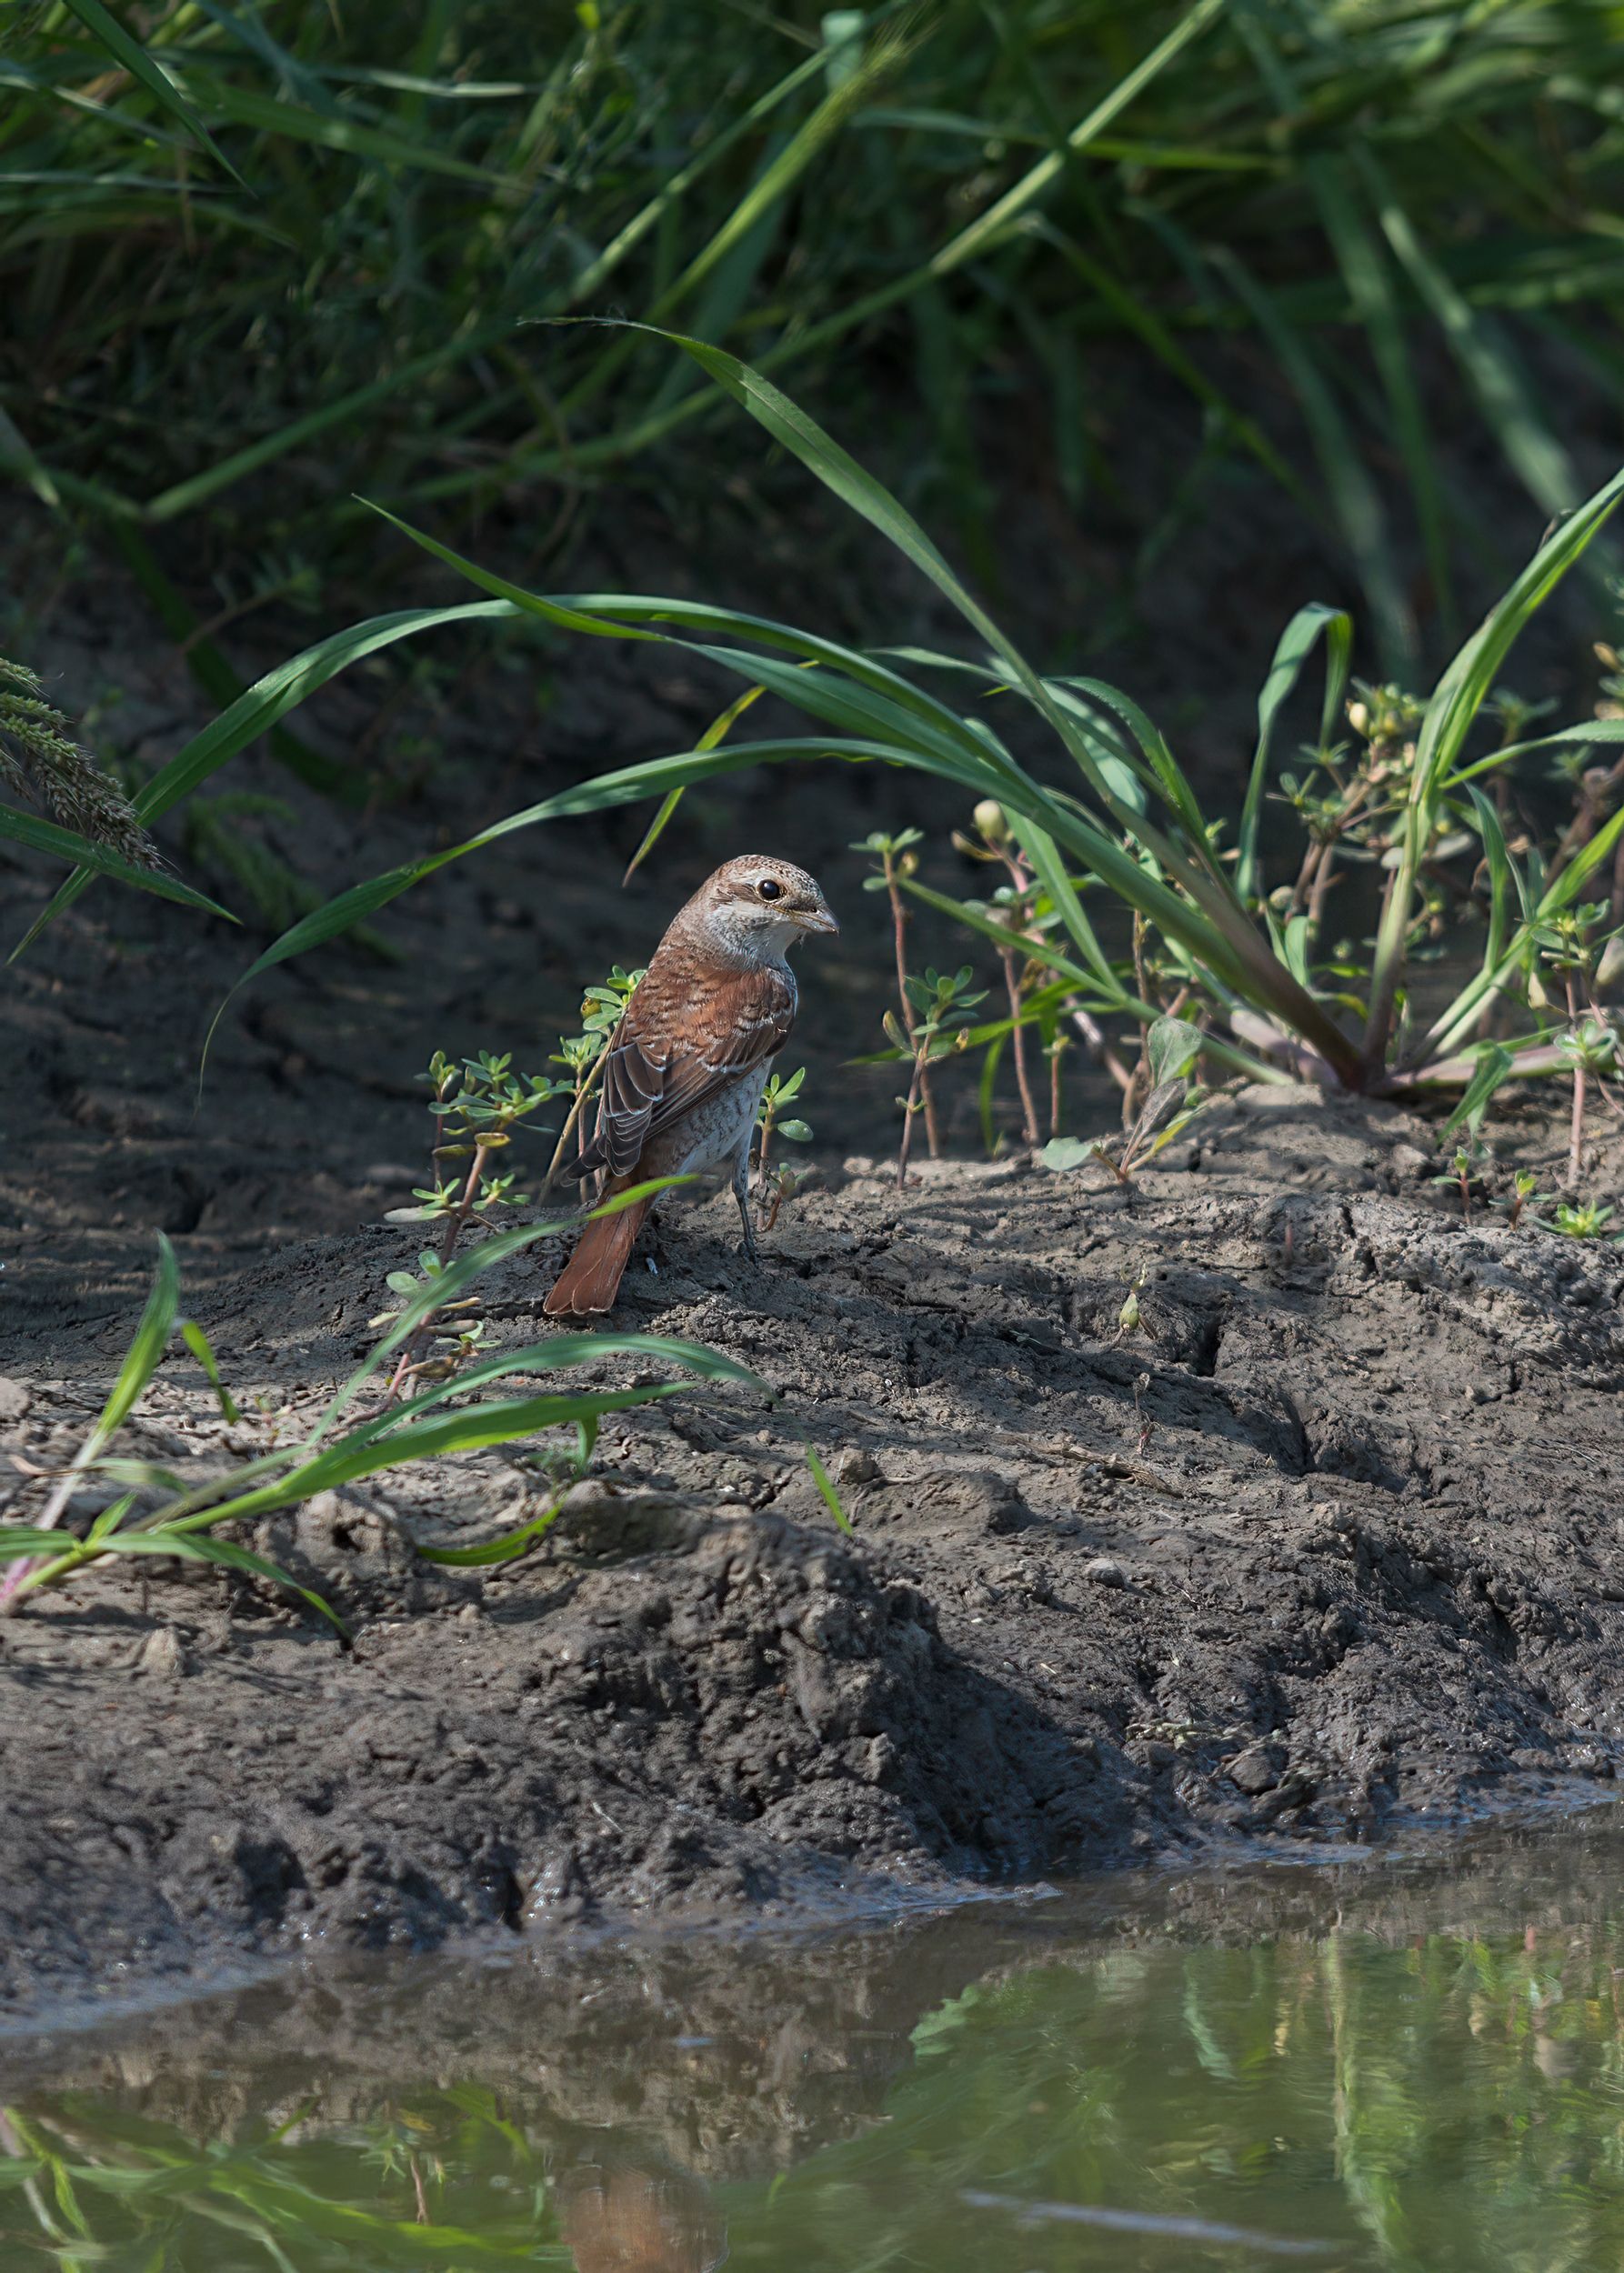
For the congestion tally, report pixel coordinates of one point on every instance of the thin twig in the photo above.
(899, 936)
(1023, 1080)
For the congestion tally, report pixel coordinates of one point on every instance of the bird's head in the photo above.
(757, 907)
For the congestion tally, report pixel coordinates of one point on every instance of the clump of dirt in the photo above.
(1327, 1541)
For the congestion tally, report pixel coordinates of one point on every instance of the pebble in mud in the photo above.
(1253, 1771)
(1103, 1572)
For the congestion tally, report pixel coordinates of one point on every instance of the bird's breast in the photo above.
(718, 1130)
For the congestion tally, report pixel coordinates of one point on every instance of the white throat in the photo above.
(744, 937)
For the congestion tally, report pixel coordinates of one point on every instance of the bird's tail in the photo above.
(587, 1285)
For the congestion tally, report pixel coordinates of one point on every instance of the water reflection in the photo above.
(624, 2217)
(1400, 2066)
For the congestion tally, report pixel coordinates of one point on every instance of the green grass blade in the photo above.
(1296, 645)
(506, 1547)
(1494, 1067)
(982, 233)
(187, 495)
(1486, 362)
(1473, 672)
(626, 240)
(103, 25)
(148, 1345)
(561, 1350)
(1215, 928)
(630, 785)
(1450, 714)
(447, 1285)
(202, 1348)
(1497, 859)
(294, 122)
(474, 1429)
(1138, 317)
(1370, 289)
(1043, 853)
(79, 852)
(197, 1547)
(1587, 730)
(826, 1489)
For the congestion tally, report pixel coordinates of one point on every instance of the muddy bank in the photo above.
(1327, 1543)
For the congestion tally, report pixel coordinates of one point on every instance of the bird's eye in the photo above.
(769, 889)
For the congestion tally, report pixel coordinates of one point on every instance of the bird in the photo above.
(687, 1063)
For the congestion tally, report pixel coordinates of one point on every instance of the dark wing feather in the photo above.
(633, 1078)
(661, 1068)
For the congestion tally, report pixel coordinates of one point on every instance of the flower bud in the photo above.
(1358, 718)
(990, 821)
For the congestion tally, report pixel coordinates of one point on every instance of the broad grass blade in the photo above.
(150, 1341)
(80, 853)
(1297, 642)
(1494, 1067)
(103, 25)
(197, 1547)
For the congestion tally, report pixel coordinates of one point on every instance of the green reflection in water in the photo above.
(1399, 2067)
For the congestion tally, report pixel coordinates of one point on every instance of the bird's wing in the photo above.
(675, 1050)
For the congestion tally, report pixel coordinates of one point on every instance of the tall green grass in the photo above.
(257, 259)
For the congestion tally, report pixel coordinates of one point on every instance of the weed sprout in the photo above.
(776, 1184)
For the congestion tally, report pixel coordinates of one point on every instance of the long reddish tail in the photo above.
(587, 1284)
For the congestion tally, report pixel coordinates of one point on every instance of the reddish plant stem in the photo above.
(899, 936)
(1023, 1079)
(909, 1108)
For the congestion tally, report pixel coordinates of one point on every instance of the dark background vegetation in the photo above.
(1164, 319)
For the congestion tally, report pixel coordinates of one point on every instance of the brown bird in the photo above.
(690, 1058)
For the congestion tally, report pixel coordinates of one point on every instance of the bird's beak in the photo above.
(816, 919)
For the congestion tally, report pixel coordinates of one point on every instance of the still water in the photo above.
(1413, 2062)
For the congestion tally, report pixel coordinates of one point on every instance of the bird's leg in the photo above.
(741, 1192)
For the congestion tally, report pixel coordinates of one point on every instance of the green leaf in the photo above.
(826, 1489)
(1173, 1046)
(793, 1132)
(148, 1345)
(80, 852)
(105, 27)
(505, 1548)
(1061, 1155)
(1494, 1064)
(197, 1547)
(198, 1343)
(1296, 645)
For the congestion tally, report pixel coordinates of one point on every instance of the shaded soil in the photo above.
(1328, 1541)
